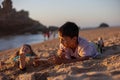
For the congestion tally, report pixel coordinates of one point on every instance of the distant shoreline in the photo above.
(9, 42)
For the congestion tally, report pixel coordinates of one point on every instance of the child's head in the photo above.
(26, 48)
(69, 29)
(68, 34)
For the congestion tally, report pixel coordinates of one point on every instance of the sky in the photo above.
(85, 13)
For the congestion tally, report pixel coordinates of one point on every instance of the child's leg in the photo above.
(22, 63)
(100, 48)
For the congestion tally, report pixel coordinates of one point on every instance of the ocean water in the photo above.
(10, 42)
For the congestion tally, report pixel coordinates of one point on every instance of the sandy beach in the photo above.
(105, 68)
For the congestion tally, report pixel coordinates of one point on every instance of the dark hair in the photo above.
(69, 29)
(31, 51)
(29, 47)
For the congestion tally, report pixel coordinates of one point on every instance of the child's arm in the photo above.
(74, 60)
(58, 60)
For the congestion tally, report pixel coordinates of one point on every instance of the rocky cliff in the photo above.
(17, 22)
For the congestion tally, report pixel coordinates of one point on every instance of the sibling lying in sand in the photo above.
(26, 57)
(23, 56)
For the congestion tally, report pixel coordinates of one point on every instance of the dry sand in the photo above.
(106, 68)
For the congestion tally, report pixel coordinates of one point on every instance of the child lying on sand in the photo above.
(72, 47)
(24, 56)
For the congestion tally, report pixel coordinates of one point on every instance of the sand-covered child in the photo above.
(23, 56)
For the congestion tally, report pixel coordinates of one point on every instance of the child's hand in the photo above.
(22, 51)
(55, 59)
(22, 56)
(22, 60)
(61, 54)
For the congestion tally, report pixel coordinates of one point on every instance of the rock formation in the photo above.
(13, 22)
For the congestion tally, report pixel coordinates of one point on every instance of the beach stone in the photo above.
(4, 77)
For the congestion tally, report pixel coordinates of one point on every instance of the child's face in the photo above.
(67, 41)
(25, 49)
